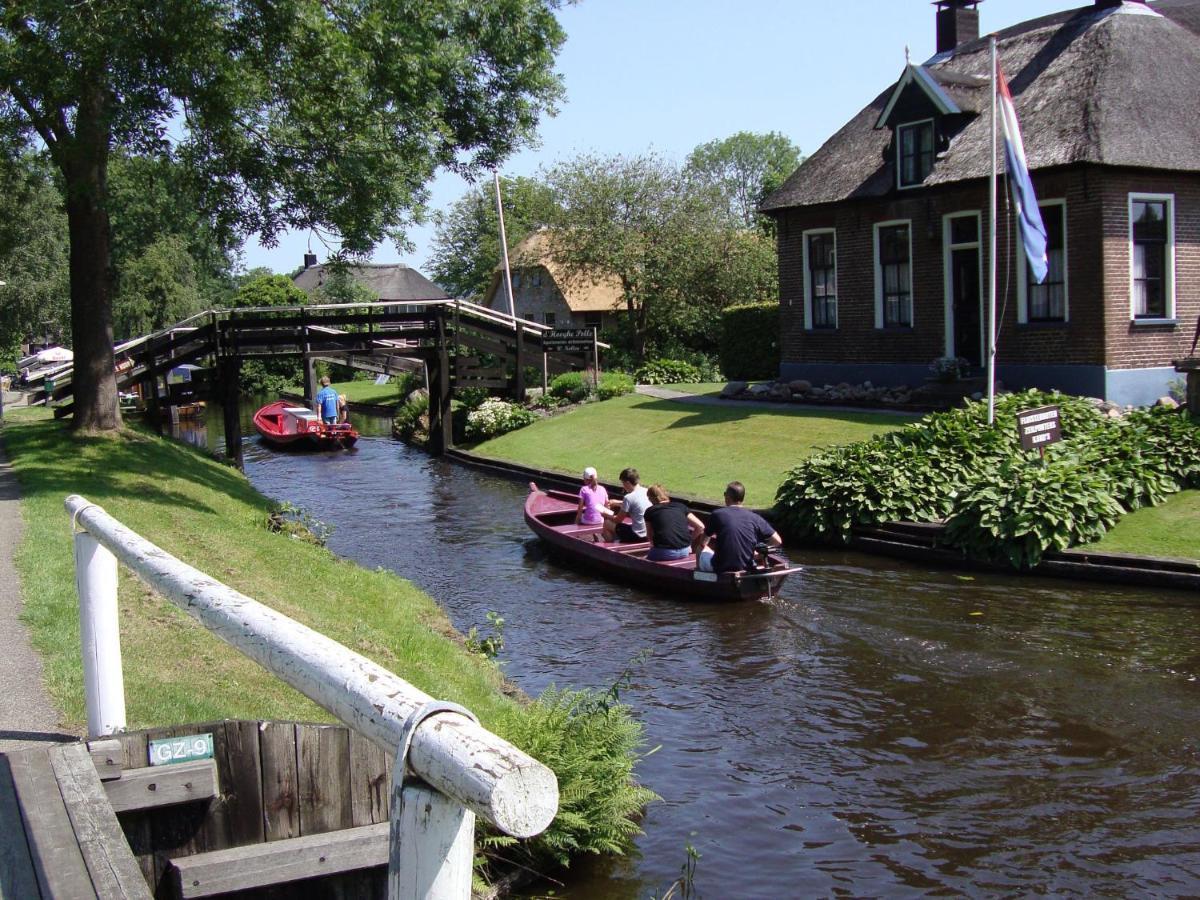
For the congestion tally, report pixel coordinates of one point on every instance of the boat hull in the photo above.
(551, 516)
(285, 426)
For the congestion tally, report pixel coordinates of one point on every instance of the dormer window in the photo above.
(914, 152)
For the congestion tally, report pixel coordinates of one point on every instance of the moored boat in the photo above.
(551, 516)
(283, 424)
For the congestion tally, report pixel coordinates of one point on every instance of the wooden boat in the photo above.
(551, 516)
(283, 424)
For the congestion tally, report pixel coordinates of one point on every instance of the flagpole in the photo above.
(991, 317)
(504, 240)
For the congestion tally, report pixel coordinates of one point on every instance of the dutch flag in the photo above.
(1029, 217)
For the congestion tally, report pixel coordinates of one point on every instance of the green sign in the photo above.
(181, 749)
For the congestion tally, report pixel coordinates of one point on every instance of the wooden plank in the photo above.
(156, 786)
(57, 859)
(135, 755)
(281, 805)
(239, 770)
(110, 863)
(258, 865)
(323, 761)
(108, 756)
(481, 382)
(17, 876)
(185, 830)
(370, 781)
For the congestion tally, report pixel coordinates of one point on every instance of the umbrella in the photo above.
(55, 354)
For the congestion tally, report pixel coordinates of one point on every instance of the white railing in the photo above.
(467, 770)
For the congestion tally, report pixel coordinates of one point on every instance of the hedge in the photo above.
(750, 341)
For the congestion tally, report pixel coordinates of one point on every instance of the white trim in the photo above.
(912, 306)
(1023, 264)
(945, 105)
(947, 285)
(1169, 268)
(808, 297)
(933, 138)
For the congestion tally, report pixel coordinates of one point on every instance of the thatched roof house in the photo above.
(1107, 99)
(393, 282)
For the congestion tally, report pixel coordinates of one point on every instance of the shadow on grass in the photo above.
(696, 414)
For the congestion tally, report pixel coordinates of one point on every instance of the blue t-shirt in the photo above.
(735, 530)
(327, 400)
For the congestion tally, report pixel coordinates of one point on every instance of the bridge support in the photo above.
(441, 424)
(519, 380)
(229, 375)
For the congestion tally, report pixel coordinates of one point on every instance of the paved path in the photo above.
(27, 717)
(662, 393)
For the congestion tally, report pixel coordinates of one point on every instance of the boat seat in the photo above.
(577, 530)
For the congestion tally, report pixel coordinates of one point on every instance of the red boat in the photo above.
(284, 424)
(551, 516)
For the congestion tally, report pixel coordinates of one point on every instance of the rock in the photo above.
(800, 386)
(1167, 402)
(978, 395)
(733, 388)
(843, 386)
(867, 385)
(780, 391)
(758, 390)
(1113, 414)
(818, 394)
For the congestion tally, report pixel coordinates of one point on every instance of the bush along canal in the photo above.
(877, 729)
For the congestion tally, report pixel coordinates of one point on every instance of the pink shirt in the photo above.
(594, 500)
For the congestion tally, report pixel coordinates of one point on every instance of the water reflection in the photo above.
(878, 729)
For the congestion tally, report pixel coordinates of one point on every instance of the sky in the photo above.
(668, 75)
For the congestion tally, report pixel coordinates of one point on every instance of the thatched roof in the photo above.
(599, 294)
(389, 281)
(1113, 86)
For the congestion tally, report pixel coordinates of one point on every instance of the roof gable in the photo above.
(598, 294)
(916, 95)
(388, 281)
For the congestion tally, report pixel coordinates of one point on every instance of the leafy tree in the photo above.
(270, 375)
(745, 168)
(342, 287)
(466, 244)
(291, 114)
(158, 288)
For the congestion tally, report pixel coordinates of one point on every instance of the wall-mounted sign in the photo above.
(1039, 427)
(569, 340)
(181, 749)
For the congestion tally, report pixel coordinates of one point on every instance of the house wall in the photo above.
(535, 293)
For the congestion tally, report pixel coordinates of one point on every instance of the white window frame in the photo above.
(1169, 273)
(808, 294)
(912, 304)
(947, 287)
(1023, 271)
(933, 137)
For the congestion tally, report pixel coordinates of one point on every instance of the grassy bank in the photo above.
(689, 448)
(370, 392)
(1171, 529)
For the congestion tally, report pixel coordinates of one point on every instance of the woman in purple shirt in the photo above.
(593, 500)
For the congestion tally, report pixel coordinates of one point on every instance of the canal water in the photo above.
(879, 729)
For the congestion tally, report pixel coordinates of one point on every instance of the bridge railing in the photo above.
(465, 769)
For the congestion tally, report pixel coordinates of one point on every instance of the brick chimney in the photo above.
(310, 260)
(957, 23)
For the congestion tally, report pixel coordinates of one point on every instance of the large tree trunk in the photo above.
(94, 382)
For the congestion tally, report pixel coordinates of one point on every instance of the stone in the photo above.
(800, 386)
(758, 390)
(733, 388)
(978, 395)
(1167, 402)
(1113, 414)
(843, 386)
(780, 391)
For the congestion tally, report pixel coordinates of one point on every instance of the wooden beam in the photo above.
(108, 756)
(155, 786)
(277, 862)
(17, 875)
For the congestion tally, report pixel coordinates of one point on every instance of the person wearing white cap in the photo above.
(593, 500)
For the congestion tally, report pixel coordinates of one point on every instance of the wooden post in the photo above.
(441, 424)
(100, 636)
(545, 373)
(595, 360)
(310, 368)
(519, 380)
(231, 368)
(432, 844)
(1193, 392)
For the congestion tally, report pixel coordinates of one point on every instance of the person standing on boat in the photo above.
(325, 404)
(670, 526)
(593, 500)
(735, 531)
(633, 508)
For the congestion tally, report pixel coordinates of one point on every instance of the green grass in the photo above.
(1170, 529)
(370, 392)
(706, 389)
(691, 449)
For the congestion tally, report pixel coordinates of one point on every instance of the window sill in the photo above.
(1037, 324)
(821, 329)
(1136, 323)
(900, 328)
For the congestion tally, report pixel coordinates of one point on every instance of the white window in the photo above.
(914, 153)
(1048, 301)
(893, 274)
(1152, 257)
(820, 278)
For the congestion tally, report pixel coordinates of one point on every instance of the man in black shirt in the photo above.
(734, 532)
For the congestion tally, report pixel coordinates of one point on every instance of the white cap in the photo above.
(589, 472)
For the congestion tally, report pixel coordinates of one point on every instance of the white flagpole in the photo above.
(991, 317)
(504, 245)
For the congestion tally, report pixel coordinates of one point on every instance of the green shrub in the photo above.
(1176, 437)
(749, 346)
(571, 386)
(668, 371)
(495, 417)
(614, 384)
(407, 422)
(471, 397)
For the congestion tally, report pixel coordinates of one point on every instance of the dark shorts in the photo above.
(626, 534)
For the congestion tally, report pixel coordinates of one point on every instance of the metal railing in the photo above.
(466, 769)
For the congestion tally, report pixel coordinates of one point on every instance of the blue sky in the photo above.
(667, 75)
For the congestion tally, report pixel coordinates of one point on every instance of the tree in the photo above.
(466, 244)
(328, 114)
(269, 375)
(745, 168)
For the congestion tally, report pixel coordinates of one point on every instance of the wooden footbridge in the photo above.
(457, 343)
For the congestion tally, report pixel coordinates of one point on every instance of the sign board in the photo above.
(569, 340)
(382, 379)
(1039, 427)
(181, 749)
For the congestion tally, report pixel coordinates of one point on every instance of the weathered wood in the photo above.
(239, 773)
(431, 845)
(241, 868)
(108, 756)
(110, 863)
(370, 781)
(17, 876)
(57, 861)
(137, 828)
(156, 786)
(281, 804)
(323, 754)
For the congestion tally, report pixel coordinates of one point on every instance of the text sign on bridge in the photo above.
(1039, 427)
(569, 340)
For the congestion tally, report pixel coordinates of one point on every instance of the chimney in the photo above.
(310, 260)
(957, 23)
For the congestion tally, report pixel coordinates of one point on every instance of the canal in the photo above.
(878, 729)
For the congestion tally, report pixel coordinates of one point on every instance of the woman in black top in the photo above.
(669, 526)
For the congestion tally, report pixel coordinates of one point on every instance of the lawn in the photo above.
(1170, 529)
(370, 392)
(689, 448)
